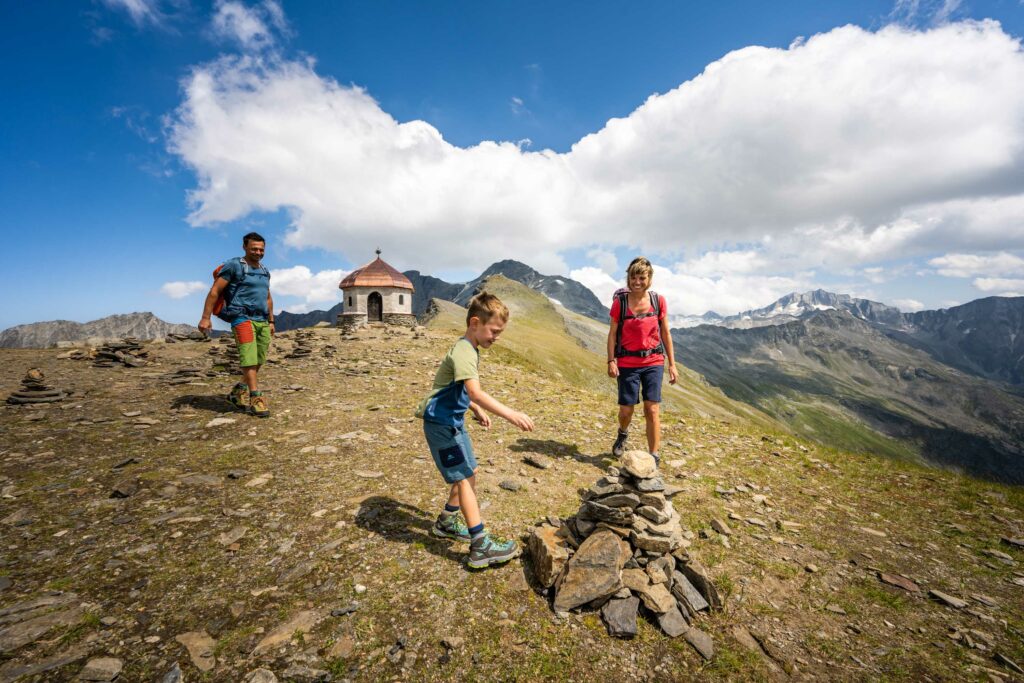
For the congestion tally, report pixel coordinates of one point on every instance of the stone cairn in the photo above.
(303, 344)
(185, 376)
(127, 352)
(34, 389)
(225, 356)
(624, 552)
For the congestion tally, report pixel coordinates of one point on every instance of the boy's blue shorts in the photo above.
(452, 451)
(632, 379)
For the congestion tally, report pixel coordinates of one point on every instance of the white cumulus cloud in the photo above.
(908, 305)
(180, 289)
(968, 265)
(849, 148)
(1002, 286)
(302, 283)
(252, 27)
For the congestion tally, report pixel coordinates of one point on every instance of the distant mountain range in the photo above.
(563, 290)
(796, 306)
(858, 376)
(45, 334)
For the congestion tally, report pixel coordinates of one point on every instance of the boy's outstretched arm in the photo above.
(484, 400)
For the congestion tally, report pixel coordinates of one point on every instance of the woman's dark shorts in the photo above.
(631, 380)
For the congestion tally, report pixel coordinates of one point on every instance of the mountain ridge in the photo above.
(143, 325)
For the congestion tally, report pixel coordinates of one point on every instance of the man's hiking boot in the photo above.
(239, 396)
(620, 444)
(449, 526)
(258, 405)
(487, 551)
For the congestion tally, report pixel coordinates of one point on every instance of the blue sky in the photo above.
(144, 137)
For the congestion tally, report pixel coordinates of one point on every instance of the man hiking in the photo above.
(241, 292)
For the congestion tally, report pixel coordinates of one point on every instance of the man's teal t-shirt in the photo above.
(247, 291)
(448, 400)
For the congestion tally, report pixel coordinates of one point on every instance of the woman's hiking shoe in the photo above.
(620, 444)
(239, 396)
(449, 526)
(487, 551)
(258, 406)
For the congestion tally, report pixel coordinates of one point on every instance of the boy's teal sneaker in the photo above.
(449, 526)
(487, 551)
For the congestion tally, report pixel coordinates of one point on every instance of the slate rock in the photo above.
(698, 575)
(899, 582)
(650, 485)
(620, 500)
(947, 599)
(101, 669)
(688, 594)
(604, 488)
(5, 583)
(654, 514)
(549, 553)
(30, 630)
(595, 511)
(673, 623)
(510, 485)
(619, 617)
(721, 527)
(701, 642)
(593, 572)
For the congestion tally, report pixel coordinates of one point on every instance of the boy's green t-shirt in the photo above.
(448, 400)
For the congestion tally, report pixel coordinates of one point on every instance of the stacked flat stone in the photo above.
(225, 356)
(34, 389)
(196, 336)
(624, 552)
(183, 376)
(128, 352)
(303, 344)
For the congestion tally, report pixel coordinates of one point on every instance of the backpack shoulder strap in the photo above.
(621, 297)
(655, 302)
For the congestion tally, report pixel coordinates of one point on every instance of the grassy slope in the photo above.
(320, 526)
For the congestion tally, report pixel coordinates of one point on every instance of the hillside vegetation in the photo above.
(132, 527)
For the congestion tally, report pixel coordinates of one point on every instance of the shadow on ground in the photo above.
(558, 449)
(398, 521)
(213, 404)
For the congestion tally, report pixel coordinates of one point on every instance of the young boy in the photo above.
(638, 343)
(456, 389)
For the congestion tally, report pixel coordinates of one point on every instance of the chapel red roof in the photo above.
(376, 273)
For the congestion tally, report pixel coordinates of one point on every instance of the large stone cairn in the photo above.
(34, 389)
(128, 352)
(303, 344)
(225, 356)
(624, 553)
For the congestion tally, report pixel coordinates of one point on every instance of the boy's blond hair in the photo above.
(640, 265)
(485, 306)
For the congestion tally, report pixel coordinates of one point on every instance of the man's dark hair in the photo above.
(252, 237)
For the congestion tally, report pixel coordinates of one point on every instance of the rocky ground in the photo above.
(148, 530)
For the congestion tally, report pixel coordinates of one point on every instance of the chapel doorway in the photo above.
(375, 307)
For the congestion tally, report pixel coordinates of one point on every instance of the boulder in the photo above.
(549, 553)
(593, 572)
(639, 464)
